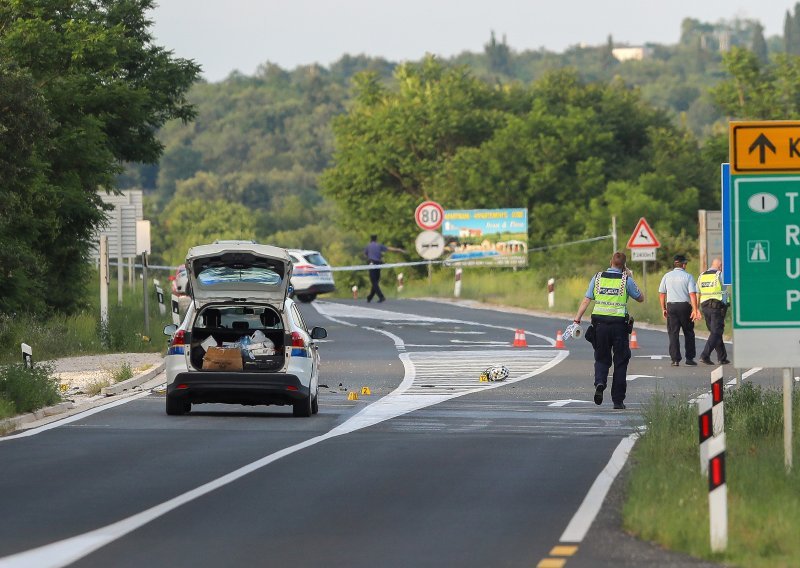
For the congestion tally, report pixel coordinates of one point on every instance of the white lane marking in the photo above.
(462, 341)
(634, 377)
(584, 517)
(652, 357)
(332, 310)
(565, 402)
(74, 417)
(458, 332)
(396, 403)
(751, 372)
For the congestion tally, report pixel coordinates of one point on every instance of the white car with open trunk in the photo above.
(243, 340)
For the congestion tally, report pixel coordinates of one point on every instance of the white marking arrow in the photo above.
(634, 377)
(563, 402)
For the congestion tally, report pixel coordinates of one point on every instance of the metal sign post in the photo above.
(104, 282)
(146, 296)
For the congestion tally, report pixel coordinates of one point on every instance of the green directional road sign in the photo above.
(766, 272)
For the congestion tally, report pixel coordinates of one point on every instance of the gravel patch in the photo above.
(76, 375)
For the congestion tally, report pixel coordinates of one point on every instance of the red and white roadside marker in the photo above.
(711, 424)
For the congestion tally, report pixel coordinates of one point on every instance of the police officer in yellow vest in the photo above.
(714, 307)
(610, 291)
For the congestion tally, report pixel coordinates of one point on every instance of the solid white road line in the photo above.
(584, 517)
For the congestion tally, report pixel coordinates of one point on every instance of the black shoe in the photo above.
(724, 362)
(619, 406)
(691, 362)
(598, 394)
(381, 300)
(706, 361)
(675, 363)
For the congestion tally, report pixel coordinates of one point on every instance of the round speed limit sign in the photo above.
(429, 215)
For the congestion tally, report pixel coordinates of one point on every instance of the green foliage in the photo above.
(757, 90)
(190, 222)
(123, 373)
(97, 90)
(667, 498)
(557, 148)
(28, 389)
(59, 335)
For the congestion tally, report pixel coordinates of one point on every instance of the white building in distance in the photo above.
(632, 53)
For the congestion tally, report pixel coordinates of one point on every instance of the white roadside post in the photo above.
(176, 310)
(457, 288)
(162, 309)
(787, 419)
(355, 292)
(27, 356)
(399, 282)
(551, 293)
(706, 429)
(104, 282)
(717, 494)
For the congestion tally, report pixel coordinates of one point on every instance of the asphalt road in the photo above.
(444, 471)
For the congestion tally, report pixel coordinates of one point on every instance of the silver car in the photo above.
(243, 340)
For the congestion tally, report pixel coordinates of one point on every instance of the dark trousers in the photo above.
(611, 338)
(714, 314)
(375, 280)
(679, 317)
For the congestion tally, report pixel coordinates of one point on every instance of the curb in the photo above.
(119, 388)
(14, 423)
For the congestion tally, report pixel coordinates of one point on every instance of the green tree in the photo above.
(190, 222)
(26, 212)
(759, 46)
(108, 89)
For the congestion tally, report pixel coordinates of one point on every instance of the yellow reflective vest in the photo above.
(710, 286)
(610, 294)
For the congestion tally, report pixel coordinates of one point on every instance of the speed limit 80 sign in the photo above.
(429, 215)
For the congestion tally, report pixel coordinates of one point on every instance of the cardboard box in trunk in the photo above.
(222, 359)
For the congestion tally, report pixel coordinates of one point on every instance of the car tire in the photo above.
(302, 408)
(315, 403)
(177, 407)
(306, 298)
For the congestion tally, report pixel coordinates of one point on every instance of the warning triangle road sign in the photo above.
(643, 236)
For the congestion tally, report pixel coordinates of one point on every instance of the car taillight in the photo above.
(297, 340)
(179, 338)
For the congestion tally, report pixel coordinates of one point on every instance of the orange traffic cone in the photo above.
(634, 340)
(559, 340)
(519, 338)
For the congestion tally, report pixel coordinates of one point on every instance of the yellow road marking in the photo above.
(551, 563)
(563, 550)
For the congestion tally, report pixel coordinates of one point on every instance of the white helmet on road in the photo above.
(497, 373)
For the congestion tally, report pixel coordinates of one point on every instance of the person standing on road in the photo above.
(610, 291)
(678, 296)
(714, 306)
(374, 253)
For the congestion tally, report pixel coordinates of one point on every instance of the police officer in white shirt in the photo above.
(678, 296)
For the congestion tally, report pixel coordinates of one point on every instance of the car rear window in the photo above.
(216, 275)
(316, 259)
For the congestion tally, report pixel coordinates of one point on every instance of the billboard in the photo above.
(486, 237)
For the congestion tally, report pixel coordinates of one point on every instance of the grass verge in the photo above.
(24, 390)
(667, 498)
(81, 334)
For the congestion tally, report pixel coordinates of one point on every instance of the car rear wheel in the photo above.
(306, 298)
(315, 403)
(302, 408)
(177, 407)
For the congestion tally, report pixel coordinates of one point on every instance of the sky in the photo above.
(239, 35)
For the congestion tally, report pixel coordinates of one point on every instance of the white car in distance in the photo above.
(312, 274)
(263, 352)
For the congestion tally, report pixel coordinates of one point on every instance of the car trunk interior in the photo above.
(227, 325)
